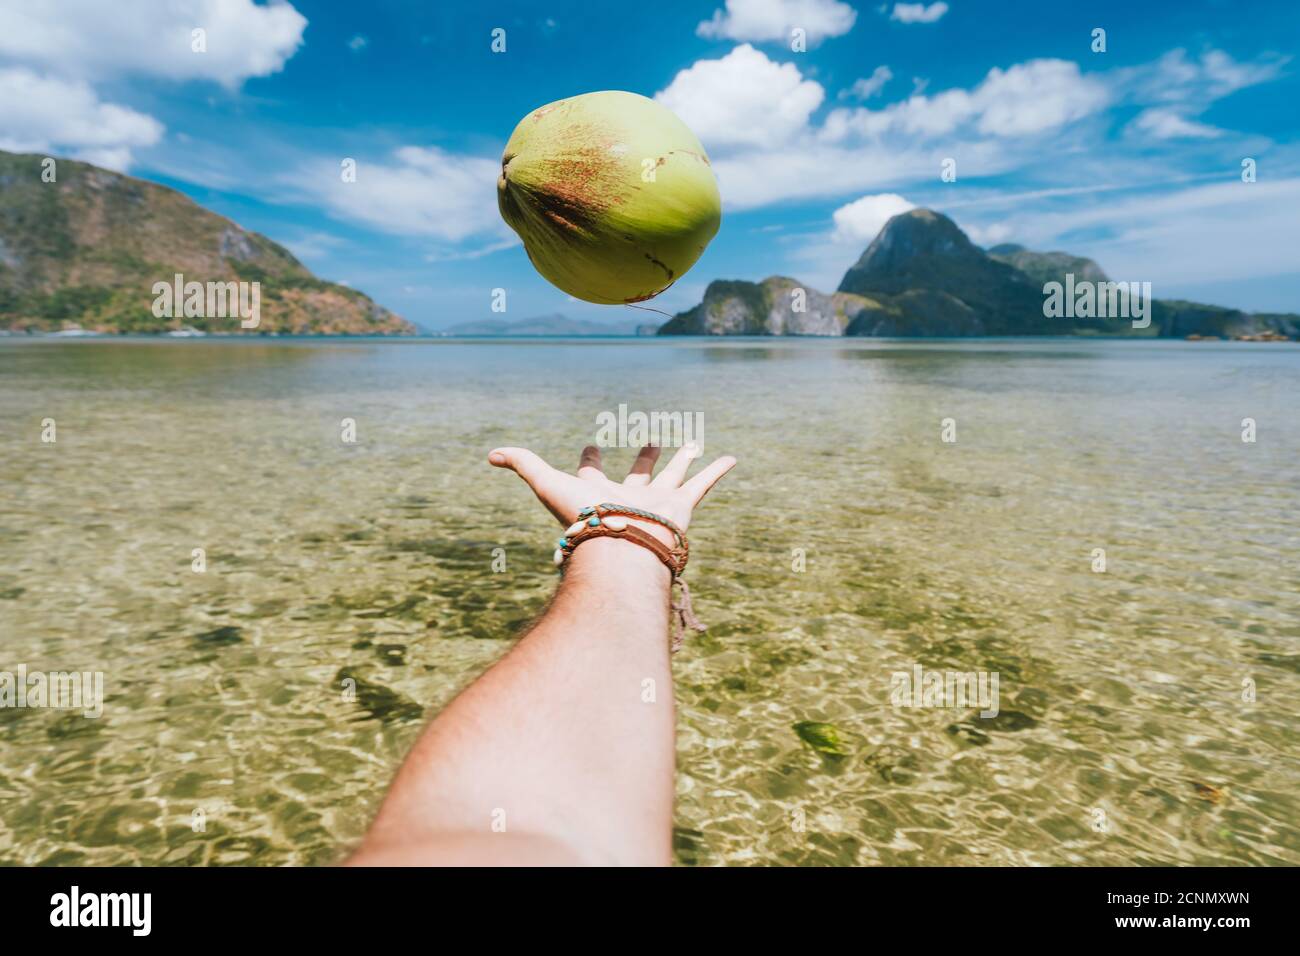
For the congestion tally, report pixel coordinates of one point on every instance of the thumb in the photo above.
(537, 473)
(521, 461)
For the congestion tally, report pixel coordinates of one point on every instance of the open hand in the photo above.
(669, 493)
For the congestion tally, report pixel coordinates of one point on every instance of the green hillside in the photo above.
(86, 250)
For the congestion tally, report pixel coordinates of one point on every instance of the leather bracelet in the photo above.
(611, 520)
(636, 535)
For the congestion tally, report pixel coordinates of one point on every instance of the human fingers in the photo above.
(643, 467)
(675, 471)
(589, 464)
(699, 486)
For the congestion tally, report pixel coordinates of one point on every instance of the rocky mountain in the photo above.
(966, 291)
(87, 249)
(922, 276)
(1177, 318)
(770, 307)
(556, 324)
(1044, 267)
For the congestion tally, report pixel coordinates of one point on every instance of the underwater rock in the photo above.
(381, 703)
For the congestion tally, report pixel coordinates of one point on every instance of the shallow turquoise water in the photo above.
(1123, 735)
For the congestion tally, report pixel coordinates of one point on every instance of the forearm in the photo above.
(568, 740)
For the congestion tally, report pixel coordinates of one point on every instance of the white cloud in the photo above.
(1168, 124)
(1178, 88)
(1175, 78)
(742, 99)
(94, 39)
(1225, 75)
(919, 115)
(755, 117)
(358, 43)
(1161, 238)
(421, 191)
(816, 170)
(464, 255)
(1027, 98)
(862, 219)
(918, 12)
(989, 235)
(762, 20)
(868, 87)
(1035, 97)
(40, 114)
(58, 49)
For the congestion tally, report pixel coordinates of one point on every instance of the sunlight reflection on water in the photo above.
(373, 561)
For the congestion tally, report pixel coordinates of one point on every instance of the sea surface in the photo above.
(1147, 713)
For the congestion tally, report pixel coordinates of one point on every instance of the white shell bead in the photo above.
(615, 523)
(574, 528)
(558, 557)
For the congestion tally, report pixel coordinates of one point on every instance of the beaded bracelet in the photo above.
(611, 520)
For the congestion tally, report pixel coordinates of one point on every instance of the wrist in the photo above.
(617, 559)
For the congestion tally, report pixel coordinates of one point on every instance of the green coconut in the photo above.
(612, 195)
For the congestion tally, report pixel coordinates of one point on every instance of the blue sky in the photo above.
(1132, 155)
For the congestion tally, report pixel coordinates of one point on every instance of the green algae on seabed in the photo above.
(823, 738)
(222, 636)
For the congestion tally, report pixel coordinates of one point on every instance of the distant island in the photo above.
(921, 276)
(86, 251)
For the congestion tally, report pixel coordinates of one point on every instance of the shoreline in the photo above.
(702, 340)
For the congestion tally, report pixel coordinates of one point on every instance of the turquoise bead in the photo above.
(594, 522)
(563, 543)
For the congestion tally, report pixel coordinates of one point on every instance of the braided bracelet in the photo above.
(608, 520)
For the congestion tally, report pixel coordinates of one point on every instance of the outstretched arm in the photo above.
(563, 751)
